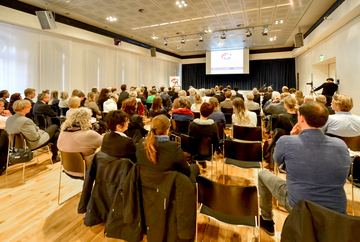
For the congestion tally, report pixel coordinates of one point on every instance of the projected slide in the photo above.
(227, 62)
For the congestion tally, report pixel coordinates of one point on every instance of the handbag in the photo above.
(20, 156)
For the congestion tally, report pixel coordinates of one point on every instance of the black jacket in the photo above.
(108, 173)
(136, 122)
(41, 108)
(118, 146)
(122, 97)
(162, 205)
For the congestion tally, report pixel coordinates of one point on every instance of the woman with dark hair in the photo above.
(145, 92)
(14, 97)
(116, 143)
(103, 97)
(136, 124)
(156, 153)
(217, 115)
(204, 127)
(54, 101)
(157, 108)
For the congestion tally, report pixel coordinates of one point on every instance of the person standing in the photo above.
(329, 88)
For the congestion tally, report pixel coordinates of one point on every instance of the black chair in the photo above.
(55, 120)
(196, 115)
(247, 133)
(103, 115)
(258, 121)
(228, 112)
(42, 121)
(256, 111)
(234, 205)
(179, 127)
(63, 111)
(221, 131)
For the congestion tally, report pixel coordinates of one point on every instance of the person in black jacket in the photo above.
(123, 95)
(116, 143)
(42, 108)
(156, 153)
(329, 88)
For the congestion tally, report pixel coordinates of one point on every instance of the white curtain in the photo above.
(42, 60)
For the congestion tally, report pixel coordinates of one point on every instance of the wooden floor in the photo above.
(30, 212)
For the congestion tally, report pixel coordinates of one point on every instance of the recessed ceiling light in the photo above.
(276, 22)
(178, 47)
(111, 18)
(281, 21)
(220, 43)
(154, 37)
(271, 39)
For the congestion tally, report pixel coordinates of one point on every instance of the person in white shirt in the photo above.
(110, 104)
(241, 116)
(197, 103)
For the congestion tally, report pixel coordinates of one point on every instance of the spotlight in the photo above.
(117, 42)
(248, 33)
(220, 43)
(183, 41)
(265, 31)
(223, 36)
(154, 37)
(201, 39)
(165, 42)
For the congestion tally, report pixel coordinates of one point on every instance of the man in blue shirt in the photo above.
(317, 167)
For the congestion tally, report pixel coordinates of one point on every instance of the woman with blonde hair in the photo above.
(64, 103)
(157, 153)
(242, 116)
(91, 104)
(286, 121)
(74, 103)
(197, 103)
(217, 115)
(76, 136)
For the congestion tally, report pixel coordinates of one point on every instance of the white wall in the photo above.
(344, 46)
(67, 58)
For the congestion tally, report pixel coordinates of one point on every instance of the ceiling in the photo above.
(164, 19)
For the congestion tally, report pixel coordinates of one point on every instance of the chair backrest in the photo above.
(64, 111)
(243, 151)
(55, 120)
(258, 121)
(247, 133)
(221, 130)
(227, 110)
(40, 120)
(228, 114)
(196, 115)
(196, 146)
(256, 111)
(17, 141)
(180, 126)
(103, 115)
(226, 199)
(353, 143)
(72, 161)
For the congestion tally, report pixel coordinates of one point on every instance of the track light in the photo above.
(223, 36)
(181, 4)
(265, 31)
(165, 42)
(183, 41)
(201, 39)
(248, 33)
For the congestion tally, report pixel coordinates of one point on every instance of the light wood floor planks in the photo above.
(29, 211)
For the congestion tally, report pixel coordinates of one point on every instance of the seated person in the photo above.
(76, 136)
(136, 125)
(74, 104)
(182, 113)
(250, 104)
(111, 103)
(4, 140)
(207, 96)
(227, 103)
(205, 127)
(217, 115)
(286, 121)
(166, 99)
(317, 167)
(116, 143)
(342, 123)
(322, 99)
(197, 103)
(54, 101)
(151, 97)
(156, 153)
(140, 106)
(64, 103)
(242, 116)
(309, 98)
(157, 108)
(91, 104)
(34, 137)
(14, 97)
(42, 108)
(277, 106)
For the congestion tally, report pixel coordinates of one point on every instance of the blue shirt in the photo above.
(317, 167)
(343, 124)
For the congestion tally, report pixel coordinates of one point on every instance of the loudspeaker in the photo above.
(299, 40)
(153, 51)
(117, 42)
(46, 19)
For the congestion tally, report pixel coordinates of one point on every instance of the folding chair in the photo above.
(228, 116)
(247, 133)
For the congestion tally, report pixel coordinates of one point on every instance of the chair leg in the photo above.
(205, 229)
(23, 175)
(37, 156)
(52, 164)
(59, 185)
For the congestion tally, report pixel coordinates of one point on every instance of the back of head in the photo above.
(133, 94)
(228, 94)
(207, 92)
(291, 103)
(284, 95)
(315, 114)
(270, 89)
(250, 96)
(212, 91)
(74, 102)
(182, 102)
(182, 93)
(94, 89)
(159, 125)
(54, 95)
(238, 105)
(192, 91)
(123, 87)
(275, 95)
(308, 99)
(64, 95)
(90, 97)
(215, 103)
(3, 93)
(292, 90)
(113, 118)
(206, 109)
(113, 95)
(14, 97)
(74, 92)
(20, 105)
(344, 102)
(41, 96)
(330, 79)
(28, 91)
(79, 118)
(157, 104)
(103, 94)
(129, 105)
(221, 88)
(236, 89)
(320, 99)
(255, 91)
(46, 91)
(198, 99)
(80, 94)
(285, 89)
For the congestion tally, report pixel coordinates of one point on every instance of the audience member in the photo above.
(74, 103)
(250, 104)
(110, 104)
(287, 121)
(74, 93)
(34, 137)
(4, 94)
(213, 91)
(256, 94)
(54, 101)
(103, 97)
(42, 108)
(322, 99)
(342, 123)
(173, 94)
(227, 103)
(140, 95)
(176, 104)
(183, 113)
(307, 152)
(76, 136)
(64, 102)
(140, 106)
(151, 97)
(292, 91)
(123, 95)
(197, 103)
(14, 97)
(277, 106)
(236, 89)
(91, 104)
(242, 116)
(191, 97)
(29, 95)
(299, 96)
(285, 89)
(81, 95)
(157, 108)
(166, 99)
(4, 114)
(309, 98)
(207, 96)
(217, 115)
(219, 96)
(156, 153)
(267, 96)
(116, 143)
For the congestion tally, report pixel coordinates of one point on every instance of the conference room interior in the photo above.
(81, 54)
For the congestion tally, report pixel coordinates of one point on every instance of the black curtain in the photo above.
(277, 72)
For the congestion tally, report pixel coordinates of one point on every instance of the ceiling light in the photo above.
(271, 39)
(274, 37)
(265, 31)
(178, 47)
(154, 37)
(165, 42)
(111, 18)
(183, 41)
(223, 36)
(281, 21)
(220, 43)
(181, 4)
(201, 39)
(248, 33)
(276, 22)
(68, 1)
